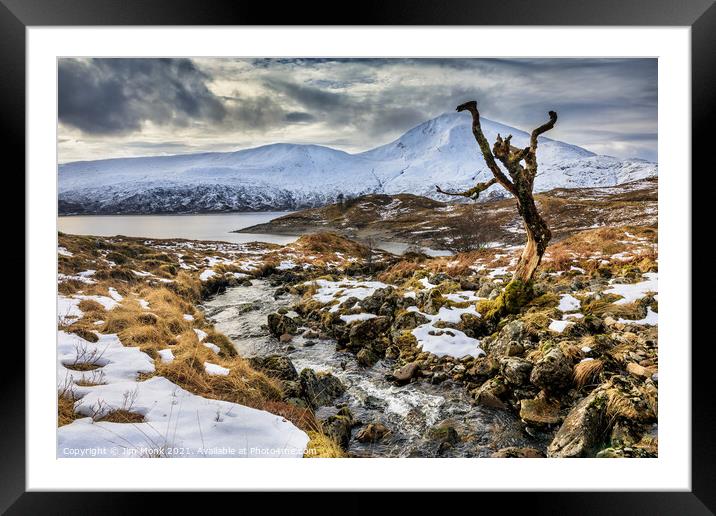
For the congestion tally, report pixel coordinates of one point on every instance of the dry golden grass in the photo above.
(321, 446)
(329, 243)
(619, 405)
(587, 373)
(66, 409)
(122, 416)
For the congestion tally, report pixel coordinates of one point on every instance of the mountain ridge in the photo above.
(295, 176)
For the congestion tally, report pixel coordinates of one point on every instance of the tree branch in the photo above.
(542, 129)
(472, 193)
(471, 106)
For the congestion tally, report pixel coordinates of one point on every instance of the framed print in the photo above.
(450, 242)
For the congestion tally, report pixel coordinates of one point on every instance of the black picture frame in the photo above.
(700, 15)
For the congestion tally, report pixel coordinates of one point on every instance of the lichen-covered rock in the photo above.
(277, 366)
(280, 324)
(553, 372)
(369, 333)
(407, 321)
(338, 427)
(366, 357)
(515, 370)
(483, 368)
(382, 301)
(320, 389)
(583, 429)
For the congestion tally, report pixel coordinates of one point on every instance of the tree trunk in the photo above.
(538, 236)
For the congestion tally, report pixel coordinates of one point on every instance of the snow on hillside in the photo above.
(287, 176)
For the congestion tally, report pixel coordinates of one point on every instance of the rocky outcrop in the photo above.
(280, 324)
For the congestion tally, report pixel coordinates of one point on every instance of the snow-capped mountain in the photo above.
(287, 176)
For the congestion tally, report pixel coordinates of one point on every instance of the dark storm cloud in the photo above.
(116, 95)
(605, 105)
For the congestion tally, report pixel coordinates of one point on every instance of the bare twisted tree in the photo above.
(519, 181)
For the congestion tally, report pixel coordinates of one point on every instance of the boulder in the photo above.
(407, 321)
(277, 366)
(540, 411)
(338, 427)
(319, 389)
(583, 429)
(553, 372)
(369, 333)
(285, 338)
(491, 392)
(279, 324)
(406, 373)
(383, 301)
(372, 433)
(515, 370)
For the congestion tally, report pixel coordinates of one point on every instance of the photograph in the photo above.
(310, 257)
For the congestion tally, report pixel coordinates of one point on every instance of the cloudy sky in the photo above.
(141, 107)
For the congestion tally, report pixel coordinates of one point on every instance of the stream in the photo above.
(409, 411)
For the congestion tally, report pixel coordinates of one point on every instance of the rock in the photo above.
(309, 343)
(310, 334)
(583, 429)
(277, 366)
(483, 368)
(638, 370)
(444, 433)
(366, 357)
(507, 341)
(372, 433)
(407, 321)
(539, 411)
(338, 427)
(515, 370)
(514, 452)
(369, 333)
(383, 300)
(319, 389)
(285, 338)
(553, 372)
(406, 373)
(438, 377)
(279, 324)
(490, 393)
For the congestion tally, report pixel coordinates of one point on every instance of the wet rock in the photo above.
(277, 366)
(553, 372)
(279, 324)
(515, 370)
(320, 388)
(372, 433)
(366, 357)
(309, 343)
(438, 377)
(310, 334)
(540, 411)
(583, 429)
(514, 452)
(285, 338)
(338, 427)
(406, 373)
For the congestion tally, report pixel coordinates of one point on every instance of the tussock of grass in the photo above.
(325, 243)
(66, 409)
(586, 373)
(321, 446)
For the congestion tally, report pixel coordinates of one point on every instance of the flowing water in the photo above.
(410, 411)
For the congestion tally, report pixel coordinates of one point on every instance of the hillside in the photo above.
(290, 176)
(419, 220)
